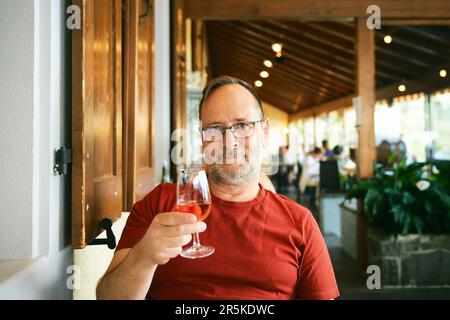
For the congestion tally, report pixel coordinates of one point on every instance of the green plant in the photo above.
(406, 199)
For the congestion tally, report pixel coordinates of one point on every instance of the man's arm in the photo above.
(131, 271)
(129, 279)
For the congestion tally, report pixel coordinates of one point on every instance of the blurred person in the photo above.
(309, 180)
(327, 153)
(338, 154)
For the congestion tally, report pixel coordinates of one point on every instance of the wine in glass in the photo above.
(193, 196)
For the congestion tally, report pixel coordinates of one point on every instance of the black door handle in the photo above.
(110, 240)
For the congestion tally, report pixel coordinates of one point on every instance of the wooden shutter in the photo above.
(139, 104)
(96, 118)
(178, 63)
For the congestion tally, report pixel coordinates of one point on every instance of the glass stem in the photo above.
(196, 241)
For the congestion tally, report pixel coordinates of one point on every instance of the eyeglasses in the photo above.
(239, 130)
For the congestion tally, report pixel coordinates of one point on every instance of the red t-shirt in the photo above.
(266, 248)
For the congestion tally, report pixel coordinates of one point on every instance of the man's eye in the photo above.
(240, 126)
(212, 132)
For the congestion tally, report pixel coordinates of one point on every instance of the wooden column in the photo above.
(365, 90)
(178, 72)
(366, 152)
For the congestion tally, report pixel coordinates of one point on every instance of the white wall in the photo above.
(16, 128)
(278, 121)
(35, 249)
(94, 260)
(35, 225)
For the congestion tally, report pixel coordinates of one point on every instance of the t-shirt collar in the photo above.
(259, 198)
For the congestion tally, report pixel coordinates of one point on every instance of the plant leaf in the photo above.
(398, 213)
(408, 198)
(406, 225)
(418, 223)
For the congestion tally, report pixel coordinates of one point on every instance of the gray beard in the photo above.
(234, 175)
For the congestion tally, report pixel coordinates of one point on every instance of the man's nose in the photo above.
(230, 141)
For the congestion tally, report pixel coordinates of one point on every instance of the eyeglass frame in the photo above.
(223, 130)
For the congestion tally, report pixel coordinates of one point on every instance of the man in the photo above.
(266, 246)
(310, 178)
(327, 153)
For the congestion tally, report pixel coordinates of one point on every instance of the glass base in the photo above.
(197, 252)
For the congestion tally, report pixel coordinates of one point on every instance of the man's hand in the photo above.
(131, 271)
(168, 232)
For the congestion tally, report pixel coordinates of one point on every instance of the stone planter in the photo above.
(412, 260)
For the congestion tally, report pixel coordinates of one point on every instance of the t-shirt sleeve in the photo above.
(140, 218)
(316, 280)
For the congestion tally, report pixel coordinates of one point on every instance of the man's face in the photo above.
(235, 161)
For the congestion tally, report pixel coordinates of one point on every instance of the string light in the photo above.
(443, 73)
(264, 74)
(277, 47)
(258, 83)
(387, 39)
(268, 63)
(402, 88)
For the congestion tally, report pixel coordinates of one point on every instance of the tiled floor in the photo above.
(352, 283)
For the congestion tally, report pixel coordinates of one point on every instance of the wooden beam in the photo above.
(326, 107)
(341, 30)
(428, 83)
(299, 57)
(309, 84)
(365, 90)
(429, 36)
(325, 38)
(416, 22)
(276, 83)
(314, 9)
(257, 50)
(313, 44)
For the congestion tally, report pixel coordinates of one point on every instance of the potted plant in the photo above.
(407, 208)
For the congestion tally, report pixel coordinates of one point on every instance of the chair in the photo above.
(329, 180)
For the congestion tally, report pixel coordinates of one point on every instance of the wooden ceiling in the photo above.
(319, 57)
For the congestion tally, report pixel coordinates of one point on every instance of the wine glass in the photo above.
(193, 196)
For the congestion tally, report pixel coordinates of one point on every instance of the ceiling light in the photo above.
(268, 63)
(280, 58)
(402, 88)
(277, 47)
(258, 83)
(387, 39)
(443, 73)
(264, 74)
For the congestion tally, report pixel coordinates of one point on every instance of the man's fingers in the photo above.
(172, 252)
(184, 229)
(175, 218)
(173, 242)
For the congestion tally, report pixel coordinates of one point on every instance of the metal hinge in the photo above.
(63, 157)
(147, 9)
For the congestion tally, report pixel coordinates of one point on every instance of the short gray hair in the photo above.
(221, 81)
